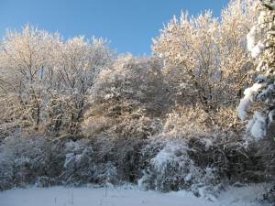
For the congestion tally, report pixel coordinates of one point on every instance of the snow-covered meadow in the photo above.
(126, 196)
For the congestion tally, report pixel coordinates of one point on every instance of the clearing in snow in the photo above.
(126, 196)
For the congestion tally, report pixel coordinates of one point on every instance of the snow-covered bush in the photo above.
(83, 165)
(43, 162)
(25, 160)
(201, 165)
(121, 144)
(169, 166)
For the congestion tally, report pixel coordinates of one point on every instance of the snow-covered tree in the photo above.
(128, 94)
(75, 71)
(25, 61)
(45, 80)
(206, 61)
(260, 98)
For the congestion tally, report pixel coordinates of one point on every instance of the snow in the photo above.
(171, 166)
(125, 196)
(250, 39)
(257, 50)
(70, 158)
(257, 126)
(247, 100)
(168, 154)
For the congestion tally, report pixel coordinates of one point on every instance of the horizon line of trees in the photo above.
(55, 86)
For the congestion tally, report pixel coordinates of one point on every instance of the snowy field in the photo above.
(125, 196)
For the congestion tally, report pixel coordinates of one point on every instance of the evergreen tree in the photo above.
(260, 98)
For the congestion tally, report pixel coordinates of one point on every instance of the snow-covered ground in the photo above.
(125, 196)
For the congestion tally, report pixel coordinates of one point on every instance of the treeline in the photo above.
(55, 86)
(75, 112)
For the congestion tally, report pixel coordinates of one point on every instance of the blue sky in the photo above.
(129, 25)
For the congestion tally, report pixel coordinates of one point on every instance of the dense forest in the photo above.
(197, 114)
